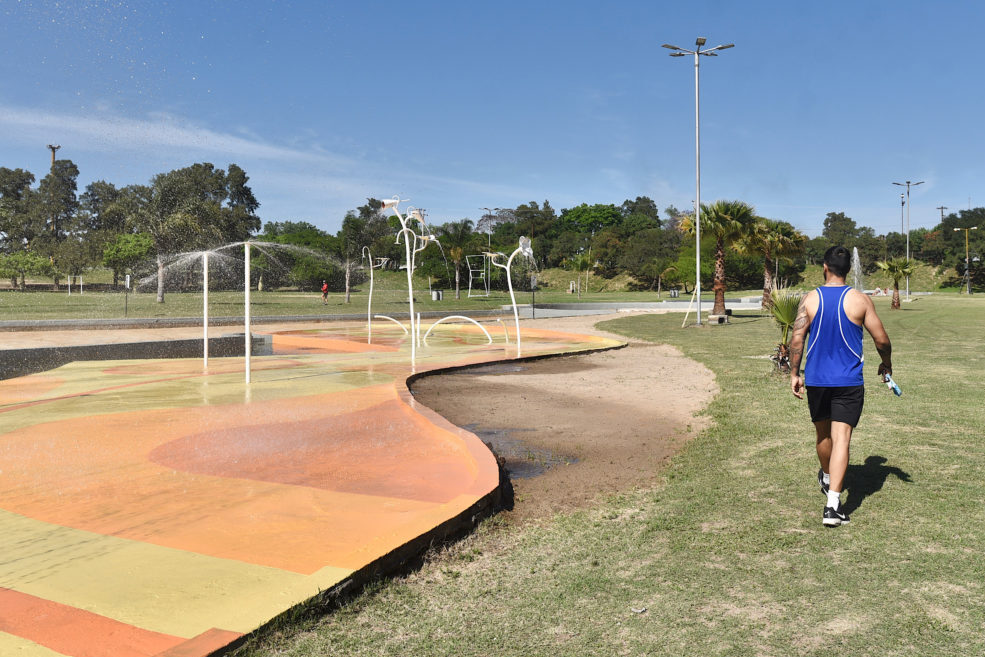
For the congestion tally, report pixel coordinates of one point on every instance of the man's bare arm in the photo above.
(875, 328)
(800, 326)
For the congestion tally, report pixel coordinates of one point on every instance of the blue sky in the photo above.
(457, 106)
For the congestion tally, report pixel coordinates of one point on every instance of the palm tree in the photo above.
(897, 269)
(784, 307)
(662, 275)
(726, 221)
(775, 241)
(456, 236)
(582, 263)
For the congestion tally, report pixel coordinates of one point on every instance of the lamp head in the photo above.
(700, 41)
(390, 202)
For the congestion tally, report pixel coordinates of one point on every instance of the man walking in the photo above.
(834, 315)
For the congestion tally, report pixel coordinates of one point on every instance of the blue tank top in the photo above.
(834, 351)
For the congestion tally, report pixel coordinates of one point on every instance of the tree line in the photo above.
(51, 230)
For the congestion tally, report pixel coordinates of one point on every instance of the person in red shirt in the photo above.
(324, 292)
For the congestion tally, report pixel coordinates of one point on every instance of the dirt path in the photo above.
(589, 425)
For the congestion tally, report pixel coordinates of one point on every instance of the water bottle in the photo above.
(892, 385)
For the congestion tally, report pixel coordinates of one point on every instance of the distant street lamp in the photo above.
(967, 262)
(902, 204)
(709, 52)
(907, 184)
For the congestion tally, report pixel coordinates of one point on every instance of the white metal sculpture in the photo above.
(478, 266)
(462, 317)
(526, 251)
(414, 243)
(246, 311)
(205, 310)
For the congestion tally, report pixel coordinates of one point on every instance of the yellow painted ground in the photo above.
(156, 505)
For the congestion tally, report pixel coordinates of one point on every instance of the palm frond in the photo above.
(786, 302)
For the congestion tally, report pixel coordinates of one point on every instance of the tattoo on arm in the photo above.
(800, 325)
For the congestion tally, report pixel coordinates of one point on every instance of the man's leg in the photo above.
(823, 430)
(841, 438)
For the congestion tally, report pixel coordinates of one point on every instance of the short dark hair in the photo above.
(838, 260)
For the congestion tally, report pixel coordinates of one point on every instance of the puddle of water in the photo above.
(522, 461)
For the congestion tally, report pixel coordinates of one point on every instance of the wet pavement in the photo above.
(166, 507)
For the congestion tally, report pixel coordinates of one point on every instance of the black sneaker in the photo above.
(820, 480)
(834, 517)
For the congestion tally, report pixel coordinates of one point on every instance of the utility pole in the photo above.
(53, 147)
(907, 185)
(54, 222)
(967, 262)
(942, 208)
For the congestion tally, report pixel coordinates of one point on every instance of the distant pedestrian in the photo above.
(324, 292)
(834, 315)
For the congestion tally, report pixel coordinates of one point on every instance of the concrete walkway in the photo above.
(161, 507)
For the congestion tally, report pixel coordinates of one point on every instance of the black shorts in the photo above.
(842, 404)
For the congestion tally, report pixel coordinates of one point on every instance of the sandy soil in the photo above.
(584, 426)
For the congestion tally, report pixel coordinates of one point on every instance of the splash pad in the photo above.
(153, 508)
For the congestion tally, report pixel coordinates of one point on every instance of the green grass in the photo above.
(389, 297)
(924, 279)
(728, 555)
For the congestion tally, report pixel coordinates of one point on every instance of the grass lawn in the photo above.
(389, 297)
(728, 555)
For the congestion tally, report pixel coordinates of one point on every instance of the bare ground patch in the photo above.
(591, 425)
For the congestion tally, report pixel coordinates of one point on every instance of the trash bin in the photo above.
(436, 295)
(674, 293)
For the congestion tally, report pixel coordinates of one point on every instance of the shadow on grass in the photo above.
(868, 479)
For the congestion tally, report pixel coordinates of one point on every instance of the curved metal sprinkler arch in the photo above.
(527, 251)
(462, 317)
(419, 244)
(369, 308)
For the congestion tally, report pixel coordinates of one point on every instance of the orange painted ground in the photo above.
(160, 508)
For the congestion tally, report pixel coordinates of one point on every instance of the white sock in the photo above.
(825, 477)
(834, 499)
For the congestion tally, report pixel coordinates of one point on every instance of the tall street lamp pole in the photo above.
(967, 262)
(697, 52)
(907, 184)
(902, 204)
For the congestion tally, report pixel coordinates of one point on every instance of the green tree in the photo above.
(310, 264)
(125, 252)
(351, 239)
(897, 269)
(457, 238)
(590, 218)
(815, 248)
(59, 201)
(640, 214)
(649, 253)
(100, 210)
(726, 222)
(198, 206)
(18, 225)
(773, 240)
(22, 264)
(840, 230)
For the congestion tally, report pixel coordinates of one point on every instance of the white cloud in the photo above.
(109, 133)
